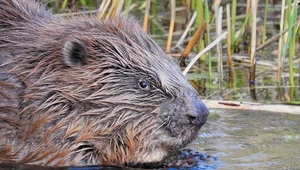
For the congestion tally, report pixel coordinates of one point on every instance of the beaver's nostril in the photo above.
(195, 118)
(191, 116)
(198, 115)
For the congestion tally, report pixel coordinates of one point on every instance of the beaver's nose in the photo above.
(198, 115)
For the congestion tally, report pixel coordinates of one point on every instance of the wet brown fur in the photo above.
(70, 95)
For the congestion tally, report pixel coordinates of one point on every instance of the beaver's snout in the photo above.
(199, 113)
(184, 116)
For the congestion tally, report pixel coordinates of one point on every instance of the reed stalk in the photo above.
(207, 35)
(298, 55)
(243, 29)
(254, 4)
(146, 15)
(119, 7)
(233, 19)
(199, 33)
(292, 30)
(171, 27)
(264, 37)
(199, 22)
(64, 5)
(83, 2)
(290, 17)
(229, 60)
(112, 8)
(219, 13)
(248, 13)
(275, 37)
(207, 48)
(193, 5)
(155, 26)
(280, 45)
(185, 33)
(103, 8)
(127, 6)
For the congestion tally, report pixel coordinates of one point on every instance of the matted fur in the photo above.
(70, 91)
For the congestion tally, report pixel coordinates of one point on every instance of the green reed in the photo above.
(263, 37)
(64, 5)
(82, 2)
(127, 6)
(292, 18)
(207, 35)
(242, 30)
(233, 20)
(199, 22)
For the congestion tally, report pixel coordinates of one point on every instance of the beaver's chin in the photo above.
(168, 144)
(157, 155)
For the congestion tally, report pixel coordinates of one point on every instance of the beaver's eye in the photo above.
(144, 85)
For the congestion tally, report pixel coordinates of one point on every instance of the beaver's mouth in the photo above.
(182, 128)
(179, 132)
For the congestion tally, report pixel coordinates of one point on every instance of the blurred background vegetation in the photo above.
(258, 59)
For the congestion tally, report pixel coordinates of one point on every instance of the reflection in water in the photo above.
(252, 140)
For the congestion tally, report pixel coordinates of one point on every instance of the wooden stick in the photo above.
(278, 108)
(194, 40)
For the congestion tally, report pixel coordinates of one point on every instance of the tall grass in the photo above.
(170, 28)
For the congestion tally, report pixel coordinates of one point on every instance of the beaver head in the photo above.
(139, 106)
(97, 92)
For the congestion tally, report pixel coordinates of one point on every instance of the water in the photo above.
(251, 139)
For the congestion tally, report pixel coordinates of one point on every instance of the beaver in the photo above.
(84, 91)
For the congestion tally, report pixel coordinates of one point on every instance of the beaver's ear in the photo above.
(75, 53)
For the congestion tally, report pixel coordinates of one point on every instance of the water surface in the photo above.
(251, 139)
